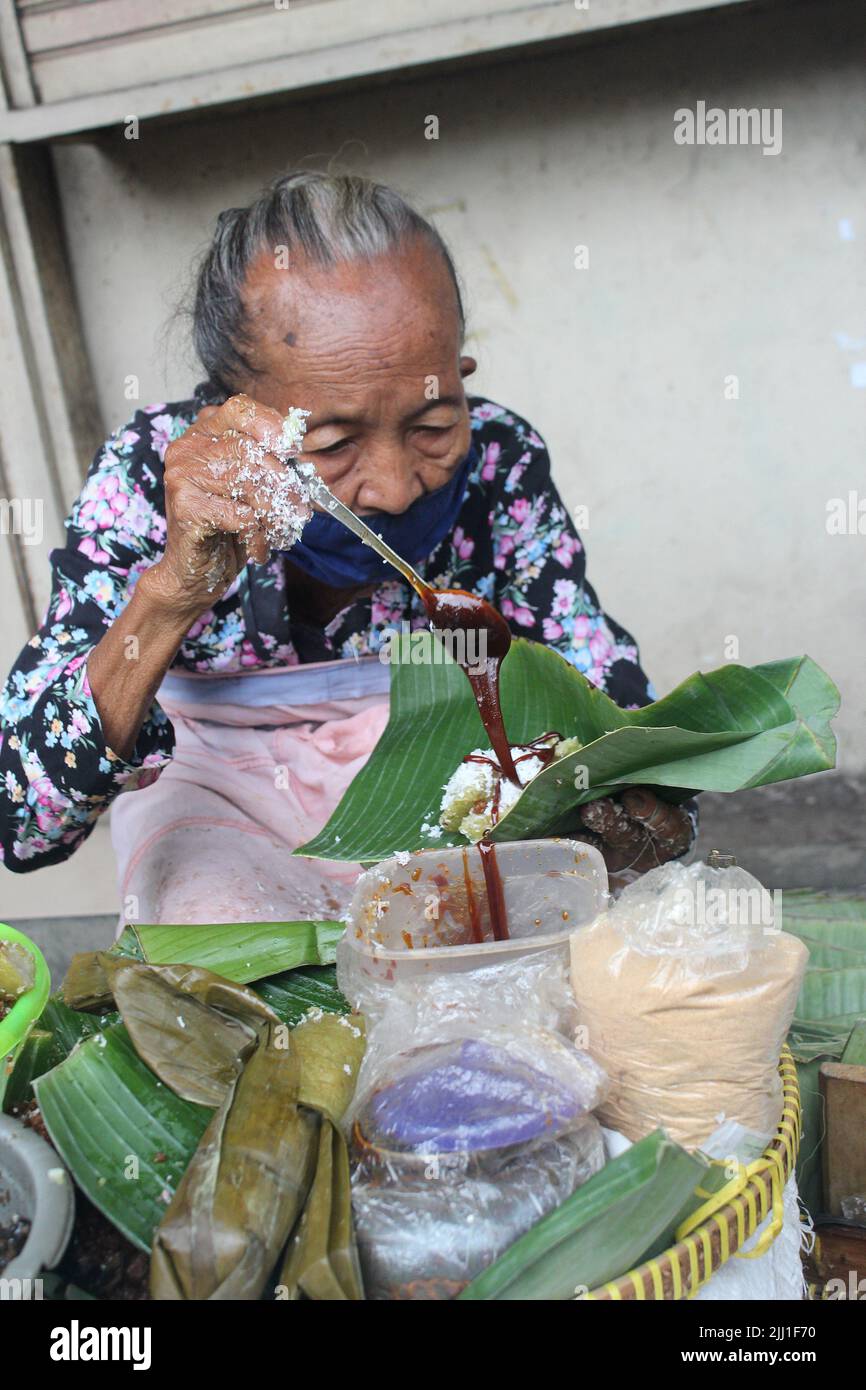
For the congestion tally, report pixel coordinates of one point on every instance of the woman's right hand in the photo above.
(221, 479)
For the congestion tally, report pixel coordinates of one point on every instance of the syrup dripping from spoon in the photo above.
(456, 610)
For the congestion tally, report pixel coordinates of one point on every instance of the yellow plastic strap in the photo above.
(717, 1201)
(740, 1210)
(770, 1166)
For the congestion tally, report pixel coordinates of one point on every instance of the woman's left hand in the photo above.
(636, 832)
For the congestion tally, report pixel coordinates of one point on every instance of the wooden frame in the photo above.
(50, 419)
(73, 65)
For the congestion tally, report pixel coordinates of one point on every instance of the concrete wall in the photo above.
(707, 515)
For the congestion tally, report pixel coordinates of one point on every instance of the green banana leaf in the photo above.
(294, 992)
(721, 731)
(833, 996)
(243, 951)
(125, 1137)
(854, 1054)
(37, 1054)
(603, 1230)
(831, 1003)
(69, 1027)
(59, 1030)
(832, 925)
(128, 944)
(810, 1040)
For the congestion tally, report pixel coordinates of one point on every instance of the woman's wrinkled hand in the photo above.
(636, 832)
(223, 481)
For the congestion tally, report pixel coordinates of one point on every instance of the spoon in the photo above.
(332, 504)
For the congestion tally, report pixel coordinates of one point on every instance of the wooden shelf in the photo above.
(76, 65)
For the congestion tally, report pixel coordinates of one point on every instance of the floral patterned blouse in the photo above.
(513, 544)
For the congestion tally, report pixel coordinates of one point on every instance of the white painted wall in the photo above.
(707, 515)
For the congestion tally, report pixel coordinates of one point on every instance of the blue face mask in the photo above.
(335, 556)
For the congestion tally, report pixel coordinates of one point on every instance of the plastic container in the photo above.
(459, 1149)
(412, 916)
(34, 1186)
(26, 1008)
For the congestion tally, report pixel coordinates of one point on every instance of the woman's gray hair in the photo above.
(328, 218)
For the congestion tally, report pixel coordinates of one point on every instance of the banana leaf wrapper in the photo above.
(244, 1188)
(219, 1044)
(322, 1260)
(194, 1029)
(191, 1027)
(250, 1177)
(87, 985)
(330, 1048)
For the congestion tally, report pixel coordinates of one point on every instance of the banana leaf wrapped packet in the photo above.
(272, 1159)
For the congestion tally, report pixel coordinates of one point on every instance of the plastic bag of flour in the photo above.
(685, 992)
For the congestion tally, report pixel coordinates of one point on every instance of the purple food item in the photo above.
(468, 1097)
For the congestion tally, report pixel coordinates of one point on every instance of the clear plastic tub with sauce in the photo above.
(428, 914)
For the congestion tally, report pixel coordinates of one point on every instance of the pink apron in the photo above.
(261, 760)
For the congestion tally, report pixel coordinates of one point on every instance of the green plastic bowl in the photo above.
(27, 1008)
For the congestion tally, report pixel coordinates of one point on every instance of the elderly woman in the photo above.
(234, 688)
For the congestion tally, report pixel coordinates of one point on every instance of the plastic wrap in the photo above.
(685, 991)
(460, 1146)
(472, 1113)
(417, 917)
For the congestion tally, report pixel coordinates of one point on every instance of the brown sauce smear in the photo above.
(456, 610)
(471, 904)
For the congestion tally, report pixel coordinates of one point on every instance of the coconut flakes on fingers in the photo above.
(280, 500)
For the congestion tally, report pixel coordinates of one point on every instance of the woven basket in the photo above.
(726, 1221)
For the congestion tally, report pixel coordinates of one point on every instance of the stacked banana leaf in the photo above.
(831, 1004)
(200, 1111)
(721, 730)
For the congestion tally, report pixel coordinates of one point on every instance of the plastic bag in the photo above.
(685, 991)
(472, 1113)
(416, 917)
(460, 1146)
